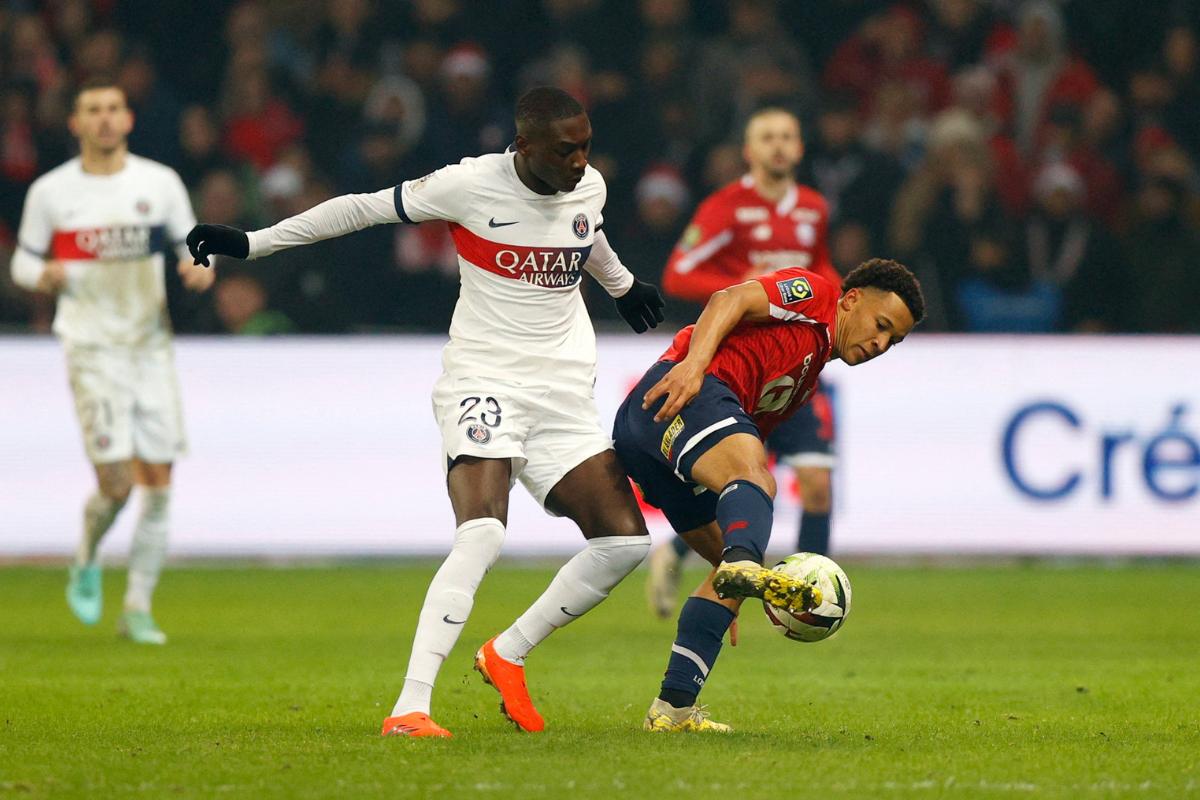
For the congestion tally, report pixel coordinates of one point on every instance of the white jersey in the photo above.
(520, 315)
(521, 255)
(110, 232)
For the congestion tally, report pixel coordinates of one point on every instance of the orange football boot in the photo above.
(509, 680)
(413, 724)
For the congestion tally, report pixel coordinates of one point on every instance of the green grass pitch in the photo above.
(1006, 681)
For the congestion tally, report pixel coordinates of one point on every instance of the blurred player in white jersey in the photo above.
(93, 232)
(515, 399)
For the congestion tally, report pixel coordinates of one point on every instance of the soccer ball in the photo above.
(826, 619)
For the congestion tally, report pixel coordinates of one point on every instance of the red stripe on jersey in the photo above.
(123, 242)
(540, 266)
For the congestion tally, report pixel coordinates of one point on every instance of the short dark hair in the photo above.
(542, 105)
(94, 82)
(889, 276)
(767, 110)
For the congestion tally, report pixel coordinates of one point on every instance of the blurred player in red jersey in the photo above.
(691, 435)
(762, 222)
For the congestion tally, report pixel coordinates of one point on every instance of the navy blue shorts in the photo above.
(659, 455)
(805, 439)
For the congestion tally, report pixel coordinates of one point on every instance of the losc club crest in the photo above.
(479, 434)
(143, 207)
(580, 226)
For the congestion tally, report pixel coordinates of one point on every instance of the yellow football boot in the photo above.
(748, 579)
(665, 718)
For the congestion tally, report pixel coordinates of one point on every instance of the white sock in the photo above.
(99, 513)
(578, 587)
(447, 605)
(149, 548)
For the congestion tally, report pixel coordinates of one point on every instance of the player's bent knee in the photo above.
(484, 536)
(624, 525)
(118, 494)
(760, 477)
(624, 553)
(816, 491)
(115, 481)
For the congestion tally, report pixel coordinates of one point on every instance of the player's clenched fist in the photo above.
(195, 278)
(221, 240)
(54, 277)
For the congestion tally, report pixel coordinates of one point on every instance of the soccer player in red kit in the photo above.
(691, 433)
(762, 222)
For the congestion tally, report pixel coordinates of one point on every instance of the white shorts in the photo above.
(127, 402)
(546, 431)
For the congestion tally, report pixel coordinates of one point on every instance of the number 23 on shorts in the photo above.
(480, 414)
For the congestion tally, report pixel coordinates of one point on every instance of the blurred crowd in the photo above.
(1035, 162)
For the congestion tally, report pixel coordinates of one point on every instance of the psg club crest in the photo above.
(479, 434)
(580, 226)
(143, 207)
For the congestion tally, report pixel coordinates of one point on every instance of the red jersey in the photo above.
(772, 367)
(736, 234)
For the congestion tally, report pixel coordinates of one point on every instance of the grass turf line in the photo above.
(1029, 681)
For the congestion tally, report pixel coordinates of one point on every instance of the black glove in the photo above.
(641, 306)
(221, 240)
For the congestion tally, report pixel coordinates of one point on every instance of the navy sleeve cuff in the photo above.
(398, 200)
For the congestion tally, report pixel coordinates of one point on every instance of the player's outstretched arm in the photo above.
(725, 309)
(638, 302)
(336, 217)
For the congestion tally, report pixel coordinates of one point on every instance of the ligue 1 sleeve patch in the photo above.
(794, 290)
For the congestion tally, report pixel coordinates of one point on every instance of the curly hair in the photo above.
(889, 276)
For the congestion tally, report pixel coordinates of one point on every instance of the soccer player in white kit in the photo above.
(93, 232)
(515, 399)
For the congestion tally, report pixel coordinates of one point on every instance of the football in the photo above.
(826, 619)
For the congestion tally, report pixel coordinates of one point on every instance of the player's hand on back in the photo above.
(679, 385)
(205, 240)
(641, 306)
(195, 278)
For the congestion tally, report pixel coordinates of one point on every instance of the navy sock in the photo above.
(680, 546)
(814, 533)
(702, 626)
(744, 514)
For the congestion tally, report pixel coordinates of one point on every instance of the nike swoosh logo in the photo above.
(568, 613)
(449, 621)
(493, 224)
